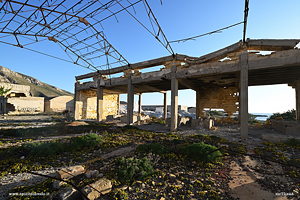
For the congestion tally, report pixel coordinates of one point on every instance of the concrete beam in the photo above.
(130, 100)
(99, 102)
(297, 90)
(174, 99)
(271, 44)
(216, 55)
(243, 105)
(165, 106)
(139, 65)
(187, 83)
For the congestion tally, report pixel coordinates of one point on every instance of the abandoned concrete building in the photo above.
(220, 80)
(19, 101)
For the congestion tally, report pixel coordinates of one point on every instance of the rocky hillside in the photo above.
(37, 88)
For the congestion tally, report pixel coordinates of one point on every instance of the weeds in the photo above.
(131, 169)
(202, 152)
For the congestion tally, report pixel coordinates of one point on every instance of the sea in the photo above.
(262, 116)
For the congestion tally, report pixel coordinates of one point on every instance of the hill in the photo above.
(37, 88)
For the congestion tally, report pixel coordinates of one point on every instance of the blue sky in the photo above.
(178, 19)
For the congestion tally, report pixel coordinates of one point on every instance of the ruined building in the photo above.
(20, 101)
(220, 79)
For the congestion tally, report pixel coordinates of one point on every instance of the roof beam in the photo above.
(139, 65)
(271, 44)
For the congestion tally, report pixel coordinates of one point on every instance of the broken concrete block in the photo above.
(67, 194)
(92, 174)
(196, 122)
(286, 127)
(103, 186)
(69, 172)
(57, 184)
(208, 123)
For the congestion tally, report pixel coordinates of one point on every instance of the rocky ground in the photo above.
(252, 175)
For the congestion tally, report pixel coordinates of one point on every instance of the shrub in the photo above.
(252, 119)
(199, 152)
(87, 141)
(290, 115)
(154, 117)
(131, 169)
(293, 142)
(44, 149)
(155, 148)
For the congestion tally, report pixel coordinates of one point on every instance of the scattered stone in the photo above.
(67, 194)
(172, 176)
(92, 191)
(57, 184)
(92, 174)
(22, 157)
(69, 172)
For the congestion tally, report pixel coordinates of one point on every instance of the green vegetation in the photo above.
(131, 169)
(4, 91)
(155, 148)
(119, 194)
(252, 119)
(293, 143)
(44, 149)
(202, 152)
(87, 141)
(288, 115)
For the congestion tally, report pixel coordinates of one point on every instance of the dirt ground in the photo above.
(244, 181)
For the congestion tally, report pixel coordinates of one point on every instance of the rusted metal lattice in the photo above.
(76, 26)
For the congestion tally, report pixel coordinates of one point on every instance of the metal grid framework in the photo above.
(76, 26)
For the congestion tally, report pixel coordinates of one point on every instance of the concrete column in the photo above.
(140, 104)
(174, 99)
(76, 98)
(165, 106)
(99, 102)
(130, 100)
(119, 104)
(243, 111)
(4, 105)
(198, 109)
(297, 90)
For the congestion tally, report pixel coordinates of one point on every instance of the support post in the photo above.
(140, 104)
(99, 102)
(76, 106)
(243, 106)
(130, 100)
(198, 109)
(119, 104)
(165, 106)
(297, 90)
(174, 99)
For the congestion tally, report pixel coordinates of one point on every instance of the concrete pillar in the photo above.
(99, 101)
(140, 104)
(130, 100)
(243, 106)
(297, 90)
(76, 106)
(119, 104)
(198, 109)
(174, 99)
(165, 106)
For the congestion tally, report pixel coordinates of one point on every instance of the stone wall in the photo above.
(59, 104)
(87, 104)
(220, 98)
(23, 105)
(16, 88)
